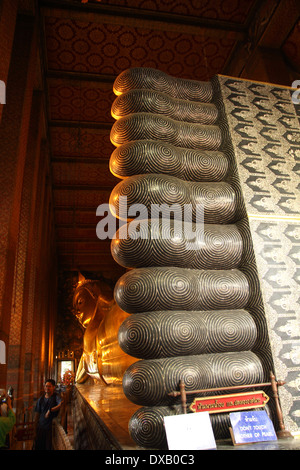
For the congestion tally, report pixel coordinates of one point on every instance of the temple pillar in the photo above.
(14, 137)
(27, 256)
(8, 15)
(27, 238)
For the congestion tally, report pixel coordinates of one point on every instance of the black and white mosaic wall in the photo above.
(265, 133)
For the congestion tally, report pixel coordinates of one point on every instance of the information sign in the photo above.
(251, 426)
(227, 403)
(191, 431)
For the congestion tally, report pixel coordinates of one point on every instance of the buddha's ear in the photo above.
(81, 278)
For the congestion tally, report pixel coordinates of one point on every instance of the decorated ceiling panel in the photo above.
(80, 199)
(80, 101)
(69, 217)
(228, 10)
(86, 45)
(83, 174)
(77, 234)
(110, 48)
(75, 141)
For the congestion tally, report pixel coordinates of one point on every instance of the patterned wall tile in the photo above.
(265, 133)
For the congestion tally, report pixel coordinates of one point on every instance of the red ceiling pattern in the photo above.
(69, 217)
(81, 142)
(80, 199)
(84, 52)
(83, 174)
(79, 101)
(227, 10)
(109, 49)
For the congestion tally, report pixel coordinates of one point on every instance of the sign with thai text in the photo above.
(227, 403)
(251, 426)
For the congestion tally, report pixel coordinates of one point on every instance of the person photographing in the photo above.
(7, 418)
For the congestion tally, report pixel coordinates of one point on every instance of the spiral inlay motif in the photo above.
(139, 126)
(141, 101)
(153, 79)
(217, 200)
(152, 289)
(152, 335)
(148, 381)
(146, 425)
(148, 156)
(212, 246)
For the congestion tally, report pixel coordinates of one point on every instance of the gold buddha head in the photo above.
(86, 296)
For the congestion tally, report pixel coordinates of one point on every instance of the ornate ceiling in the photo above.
(86, 45)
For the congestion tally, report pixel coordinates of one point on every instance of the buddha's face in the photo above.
(84, 305)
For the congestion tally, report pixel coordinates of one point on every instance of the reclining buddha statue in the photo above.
(102, 358)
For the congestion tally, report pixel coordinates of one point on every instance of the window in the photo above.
(63, 366)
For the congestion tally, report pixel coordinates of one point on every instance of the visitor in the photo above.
(47, 408)
(7, 419)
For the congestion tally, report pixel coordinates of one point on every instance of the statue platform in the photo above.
(114, 410)
(107, 409)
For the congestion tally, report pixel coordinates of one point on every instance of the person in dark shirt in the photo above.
(47, 408)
